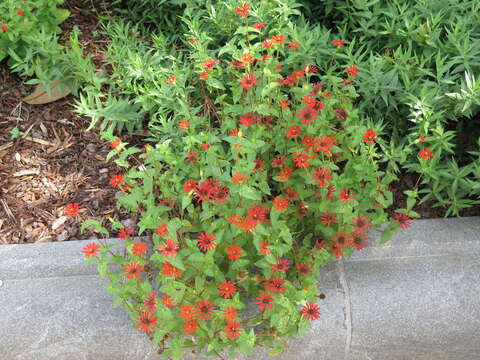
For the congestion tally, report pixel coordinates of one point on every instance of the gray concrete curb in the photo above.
(417, 297)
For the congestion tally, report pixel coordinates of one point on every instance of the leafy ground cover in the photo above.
(95, 42)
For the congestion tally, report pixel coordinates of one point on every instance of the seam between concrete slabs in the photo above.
(348, 306)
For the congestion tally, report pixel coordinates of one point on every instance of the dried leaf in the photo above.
(41, 96)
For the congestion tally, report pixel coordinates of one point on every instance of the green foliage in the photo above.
(240, 184)
(21, 20)
(419, 61)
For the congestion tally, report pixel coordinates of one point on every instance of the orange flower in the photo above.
(338, 43)
(278, 39)
(162, 230)
(139, 248)
(352, 70)
(204, 76)
(72, 209)
(248, 81)
(115, 143)
(248, 58)
(91, 250)
(370, 136)
(426, 153)
(280, 204)
(243, 10)
(294, 46)
(259, 26)
(421, 138)
(116, 181)
(184, 125)
(239, 178)
(171, 79)
(209, 64)
(284, 104)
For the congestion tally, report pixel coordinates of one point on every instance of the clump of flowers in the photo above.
(248, 204)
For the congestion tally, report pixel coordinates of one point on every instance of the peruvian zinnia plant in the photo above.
(265, 178)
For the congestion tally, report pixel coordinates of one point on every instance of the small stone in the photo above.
(91, 148)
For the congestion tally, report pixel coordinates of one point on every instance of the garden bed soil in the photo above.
(56, 161)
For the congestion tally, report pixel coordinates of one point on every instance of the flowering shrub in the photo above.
(256, 184)
(21, 18)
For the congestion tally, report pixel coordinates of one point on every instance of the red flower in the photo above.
(284, 104)
(345, 196)
(239, 178)
(188, 312)
(323, 144)
(132, 270)
(234, 132)
(229, 313)
(139, 248)
(170, 270)
(248, 81)
(341, 240)
(243, 10)
(114, 144)
(338, 43)
(72, 209)
(259, 165)
(194, 40)
(168, 301)
(275, 285)
(191, 157)
(294, 46)
(285, 174)
(280, 266)
(352, 70)
(264, 301)
(116, 181)
(170, 248)
(322, 176)
(184, 125)
(280, 204)
(278, 39)
(162, 230)
(403, 220)
(90, 250)
(259, 26)
(369, 136)
(331, 192)
(233, 330)
(421, 138)
(171, 79)
(328, 218)
(190, 326)
(426, 153)
(249, 119)
(151, 302)
(247, 58)
(301, 160)
(204, 76)
(206, 241)
(358, 240)
(146, 321)
(267, 44)
(279, 161)
(303, 269)
(204, 308)
(307, 115)
(227, 289)
(209, 64)
(125, 233)
(361, 223)
(290, 194)
(311, 311)
(257, 213)
(19, 12)
(210, 189)
(4, 28)
(265, 247)
(234, 252)
(293, 132)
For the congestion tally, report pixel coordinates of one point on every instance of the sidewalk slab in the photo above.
(416, 297)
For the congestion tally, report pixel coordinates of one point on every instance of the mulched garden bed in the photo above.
(56, 161)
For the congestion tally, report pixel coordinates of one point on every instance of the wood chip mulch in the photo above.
(54, 162)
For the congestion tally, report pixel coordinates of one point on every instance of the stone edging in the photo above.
(417, 297)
